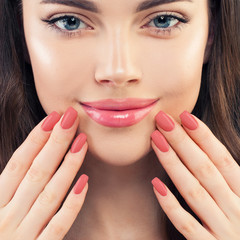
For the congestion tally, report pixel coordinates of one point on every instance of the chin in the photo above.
(119, 156)
(119, 147)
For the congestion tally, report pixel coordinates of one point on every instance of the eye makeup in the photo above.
(70, 25)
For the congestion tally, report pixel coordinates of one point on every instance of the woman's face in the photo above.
(141, 57)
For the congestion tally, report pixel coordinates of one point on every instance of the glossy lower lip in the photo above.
(119, 113)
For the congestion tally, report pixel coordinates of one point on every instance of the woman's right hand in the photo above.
(33, 186)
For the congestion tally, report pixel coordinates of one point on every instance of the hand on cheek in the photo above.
(204, 173)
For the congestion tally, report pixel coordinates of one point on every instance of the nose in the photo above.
(116, 64)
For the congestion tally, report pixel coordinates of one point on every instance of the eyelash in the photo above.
(159, 31)
(52, 24)
(171, 16)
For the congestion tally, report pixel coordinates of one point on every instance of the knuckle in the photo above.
(196, 194)
(15, 166)
(36, 138)
(205, 170)
(225, 162)
(71, 163)
(57, 230)
(173, 207)
(47, 198)
(188, 228)
(36, 174)
(59, 139)
(71, 206)
(179, 139)
(173, 163)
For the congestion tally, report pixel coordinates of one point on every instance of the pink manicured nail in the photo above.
(50, 121)
(81, 183)
(78, 143)
(69, 118)
(188, 121)
(160, 141)
(159, 186)
(165, 122)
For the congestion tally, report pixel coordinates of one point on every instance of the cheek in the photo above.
(175, 70)
(56, 69)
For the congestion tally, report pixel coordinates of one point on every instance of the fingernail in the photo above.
(78, 143)
(164, 121)
(50, 121)
(69, 118)
(160, 141)
(188, 121)
(81, 183)
(159, 186)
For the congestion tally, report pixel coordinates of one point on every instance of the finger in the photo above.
(23, 157)
(189, 187)
(63, 220)
(184, 222)
(216, 151)
(52, 196)
(199, 164)
(44, 165)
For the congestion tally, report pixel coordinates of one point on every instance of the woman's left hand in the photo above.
(205, 174)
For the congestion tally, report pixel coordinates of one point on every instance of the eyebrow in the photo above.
(92, 7)
(153, 3)
(84, 4)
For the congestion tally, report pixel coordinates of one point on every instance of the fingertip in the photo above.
(78, 143)
(50, 121)
(81, 183)
(188, 121)
(159, 186)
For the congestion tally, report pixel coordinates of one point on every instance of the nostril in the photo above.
(133, 81)
(118, 82)
(105, 81)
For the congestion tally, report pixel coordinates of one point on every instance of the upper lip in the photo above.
(120, 104)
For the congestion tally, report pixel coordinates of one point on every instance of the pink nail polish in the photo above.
(160, 141)
(81, 183)
(164, 121)
(50, 121)
(159, 186)
(188, 121)
(69, 118)
(78, 143)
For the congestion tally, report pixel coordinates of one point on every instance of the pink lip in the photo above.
(119, 112)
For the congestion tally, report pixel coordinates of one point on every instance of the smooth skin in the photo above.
(32, 187)
(198, 164)
(118, 53)
(94, 65)
(207, 177)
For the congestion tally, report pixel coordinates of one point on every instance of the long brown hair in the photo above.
(20, 109)
(217, 105)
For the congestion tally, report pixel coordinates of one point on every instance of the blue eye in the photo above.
(66, 23)
(166, 21)
(69, 23)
